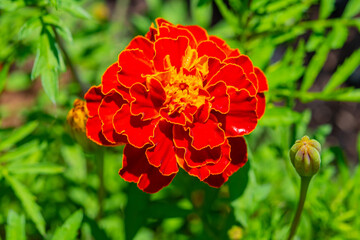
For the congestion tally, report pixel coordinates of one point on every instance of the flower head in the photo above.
(178, 98)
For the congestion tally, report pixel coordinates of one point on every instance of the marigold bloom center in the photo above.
(183, 90)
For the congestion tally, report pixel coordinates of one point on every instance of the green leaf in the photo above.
(28, 202)
(69, 230)
(3, 76)
(203, 2)
(135, 211)
(352, 8)
(60, 27)
(18, 135)
(50, 83)
(15, 228)
(326, 8)
(238, 182)
(22, 151)
(314, 67)
(343, 72)
(279, 116)
(30, 29)
(76, 10)
(338, 36)
(37, 168)
(358, 145)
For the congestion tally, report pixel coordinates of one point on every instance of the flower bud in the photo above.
(76, 119)
(305, 156)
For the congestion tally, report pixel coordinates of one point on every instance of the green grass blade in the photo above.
(15, 228)
(18, 135)
(28, 202)
(69, 229)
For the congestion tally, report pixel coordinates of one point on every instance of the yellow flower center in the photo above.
(182, 90)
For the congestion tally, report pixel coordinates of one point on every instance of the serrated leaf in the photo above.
(15, 228)
(28, 202)
(352, 8)
(315, 66)
(326, 8)
(18, 135)
(50, 83)
(343, 72)
(37, 168)
(22, 151)
(60, 27)
(69, 230)
(31, 28)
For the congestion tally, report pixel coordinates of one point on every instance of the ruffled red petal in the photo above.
(233, 76)
(174, 118)
(109, 106)
(208, 134)
(243, 61)
(214, 65)
(134, 65)
(210, 49)
(242, 118)
(199, 33)
(205, 171)
(174, 48)
(136, 168)
(93, 99)
(143, 44)
(219, 97)
(94, 131)
(138, 132)
(151, 33)
(162, 155)
(145, 103)
(222, 44)
(194, 157)
(263, 85)
(170, 31)
(260, 107)
(238, 156)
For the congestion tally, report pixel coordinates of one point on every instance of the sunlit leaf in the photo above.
(30, 29)
(18, 135)
(37, 168)
(28, 202)
(69, 230)
(50, 83)
(343, 72)
(326, 8)
(279, 116)
(22, 151)
(315, 66)
(15, 228)
(352, 8)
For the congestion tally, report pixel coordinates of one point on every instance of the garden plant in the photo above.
(179, 119)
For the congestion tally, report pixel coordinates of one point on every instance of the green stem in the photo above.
(303, 190)
(99, 158)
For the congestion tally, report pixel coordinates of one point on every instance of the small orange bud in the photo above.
(78, 116)
(76, 119)
(305, 156)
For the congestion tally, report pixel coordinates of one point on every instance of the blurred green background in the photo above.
(52, 51)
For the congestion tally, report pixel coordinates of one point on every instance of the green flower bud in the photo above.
(305, 156)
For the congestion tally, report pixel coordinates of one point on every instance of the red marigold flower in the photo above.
(177, 98)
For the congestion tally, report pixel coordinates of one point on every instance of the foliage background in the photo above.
(53, 188)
